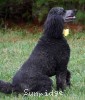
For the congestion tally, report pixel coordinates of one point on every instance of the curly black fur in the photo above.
(49, 57)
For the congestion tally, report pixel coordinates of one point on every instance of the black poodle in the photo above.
(49, 57)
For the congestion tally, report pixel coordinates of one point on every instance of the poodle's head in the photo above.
(56, 18)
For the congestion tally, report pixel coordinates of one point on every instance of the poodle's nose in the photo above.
(75, 11)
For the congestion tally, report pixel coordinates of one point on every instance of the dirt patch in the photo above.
(75, 27)
(35, 28)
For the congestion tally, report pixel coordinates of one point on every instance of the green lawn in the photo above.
(15, 48)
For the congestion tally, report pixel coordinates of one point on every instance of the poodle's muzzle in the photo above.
(69, 15)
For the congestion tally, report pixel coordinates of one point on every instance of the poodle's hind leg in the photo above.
(68, 76)
(41, 84)
(61, 80)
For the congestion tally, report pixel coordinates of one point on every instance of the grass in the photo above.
(17, 45)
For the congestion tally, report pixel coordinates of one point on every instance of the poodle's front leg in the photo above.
(61, 80)
(68, 76)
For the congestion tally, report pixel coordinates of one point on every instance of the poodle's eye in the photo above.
(64, 11)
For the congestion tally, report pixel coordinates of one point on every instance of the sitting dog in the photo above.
(49, 57)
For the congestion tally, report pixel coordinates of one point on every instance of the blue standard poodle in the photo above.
(50, 57)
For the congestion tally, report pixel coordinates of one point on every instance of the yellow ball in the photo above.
(66, 32)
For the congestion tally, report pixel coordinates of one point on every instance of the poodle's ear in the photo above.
(53, 26)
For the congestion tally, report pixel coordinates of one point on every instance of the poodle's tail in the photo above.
(6, 87)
